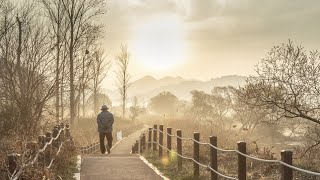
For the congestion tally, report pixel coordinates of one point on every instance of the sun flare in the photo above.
(158, 44)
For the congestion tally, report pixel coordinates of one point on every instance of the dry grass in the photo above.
(63, 166)
(227, 161)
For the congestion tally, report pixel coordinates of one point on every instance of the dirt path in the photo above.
(119, 165)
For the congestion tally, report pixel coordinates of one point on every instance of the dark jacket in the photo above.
(105, 121)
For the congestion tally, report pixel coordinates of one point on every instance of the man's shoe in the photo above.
(109, 151)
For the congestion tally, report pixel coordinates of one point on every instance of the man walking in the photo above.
(105, 121)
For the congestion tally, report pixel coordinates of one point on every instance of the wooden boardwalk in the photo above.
(119, 165)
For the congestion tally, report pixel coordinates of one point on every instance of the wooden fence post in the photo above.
(242, 161)
(160, 141)
(149, 138)
(55, 132)
(12, 162)
(286, 172)
(68, 135)
(179, 148)
(32, 148)
(196, 149)
(98, 146)
(62, 134)
(169, 131)
(47, 154)
(59, 138)
(141, 144)
(91, 148)
(88, 149)
(41, 143)
(144, 141)
(137, 147)
(155, 129)
(213, 157)
(133, 150)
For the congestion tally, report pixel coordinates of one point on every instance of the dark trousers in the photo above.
(102, 136)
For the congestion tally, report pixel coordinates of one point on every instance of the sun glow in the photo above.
(158, 44)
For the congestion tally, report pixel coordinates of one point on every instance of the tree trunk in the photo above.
(95, 101)
(83, 95)
(57, 74)
(61, 96)
(72, 101)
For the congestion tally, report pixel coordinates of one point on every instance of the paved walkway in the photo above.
(119, 165)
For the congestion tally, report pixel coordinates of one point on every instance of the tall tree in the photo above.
(135, 109)
(100, 68)
(287, 83)
(26, 66)
(165, 103)
(80, 13)
(287, 86)
(123, 76)
(56, 15)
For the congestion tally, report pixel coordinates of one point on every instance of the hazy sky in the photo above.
(206, 38)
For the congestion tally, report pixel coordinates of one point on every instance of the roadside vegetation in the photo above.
(277, 109)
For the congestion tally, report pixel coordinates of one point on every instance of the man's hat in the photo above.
(104, 107)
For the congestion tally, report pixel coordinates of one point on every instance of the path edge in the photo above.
(155, 169)
(77, 174)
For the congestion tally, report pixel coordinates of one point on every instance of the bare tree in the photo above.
(287, 83)
(56, 15)
(99, 68)
(80, 13)
(26, 66)
(123, 77)
(287, 86)
(164, 103)
(249, 117)
(135, 109)
(213, 107)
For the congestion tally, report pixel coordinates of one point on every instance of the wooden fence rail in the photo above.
(286, 167)
(95, 146)
(41, 154)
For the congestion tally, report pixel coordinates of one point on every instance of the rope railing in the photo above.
(285, 162)
(203, 165)
(38, 150)
(95, 146)
(248, 156)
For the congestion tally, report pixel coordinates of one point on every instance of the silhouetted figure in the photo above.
(105, 121)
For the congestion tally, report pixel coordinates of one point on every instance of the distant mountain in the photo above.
(231, 80)
(148, 86)
(149, 83)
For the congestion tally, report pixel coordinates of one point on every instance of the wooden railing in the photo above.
(141, 145)
(95, 146)
(40, 155)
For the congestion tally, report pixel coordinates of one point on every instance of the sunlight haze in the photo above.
(207, 38)
(160, 89)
